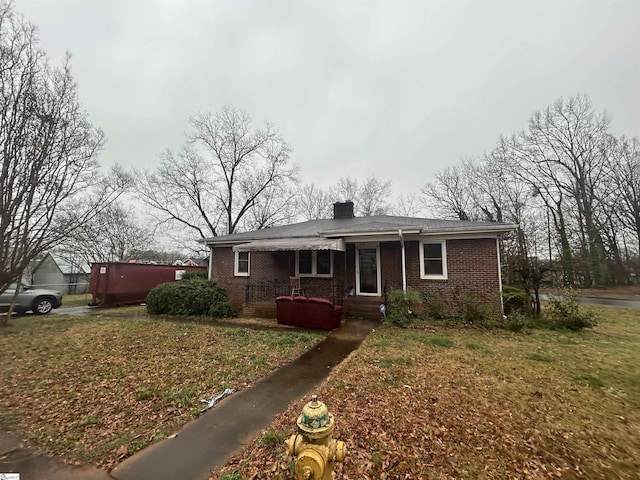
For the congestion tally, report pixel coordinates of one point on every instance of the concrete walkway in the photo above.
(207, 442)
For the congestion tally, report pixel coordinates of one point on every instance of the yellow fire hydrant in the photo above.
(313, 447)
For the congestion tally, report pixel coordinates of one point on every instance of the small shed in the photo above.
(61, 274)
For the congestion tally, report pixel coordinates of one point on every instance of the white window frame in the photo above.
(423, 275)
(314, 265)
(236, 264)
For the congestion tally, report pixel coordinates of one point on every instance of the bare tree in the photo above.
(49, 182)
(112, 235)
(407, 205)
(451, 194)
(626, 182)
(560, 156)
(223, 172)
(277, 206)
(371, 197)
(313, 203)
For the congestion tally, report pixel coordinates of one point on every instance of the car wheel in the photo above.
(42, 306)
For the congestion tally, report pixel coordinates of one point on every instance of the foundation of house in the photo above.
(354, 307)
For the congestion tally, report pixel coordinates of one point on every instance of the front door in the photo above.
(368, 270)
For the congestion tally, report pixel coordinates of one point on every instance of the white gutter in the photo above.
(500, 275)
(404, 266)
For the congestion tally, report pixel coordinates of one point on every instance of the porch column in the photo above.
(404, 266)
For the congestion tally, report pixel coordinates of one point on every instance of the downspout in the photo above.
(210, 269)
(499, 276)
(404, 266)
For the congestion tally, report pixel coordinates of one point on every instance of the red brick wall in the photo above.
(270, 267)
(472, 268)
(263, 267)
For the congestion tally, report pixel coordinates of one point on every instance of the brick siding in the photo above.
(472, 271)
(472, 268)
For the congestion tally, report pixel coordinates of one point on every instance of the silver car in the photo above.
(38, 300)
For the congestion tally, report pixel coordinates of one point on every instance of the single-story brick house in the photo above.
(353, 261)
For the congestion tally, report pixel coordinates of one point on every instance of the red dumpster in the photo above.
(116, 283)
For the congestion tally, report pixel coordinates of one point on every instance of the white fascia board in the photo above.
(225, 244)
(457, 236)
(380, 233)
(480, 233)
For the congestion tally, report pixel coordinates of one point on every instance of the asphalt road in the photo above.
(610, 302)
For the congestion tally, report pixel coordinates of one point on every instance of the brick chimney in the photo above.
(343, 209)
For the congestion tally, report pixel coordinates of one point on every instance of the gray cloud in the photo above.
(398, 89)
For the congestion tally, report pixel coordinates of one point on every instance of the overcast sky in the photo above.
(398, 89)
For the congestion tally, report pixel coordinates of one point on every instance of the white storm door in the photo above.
(368, 270)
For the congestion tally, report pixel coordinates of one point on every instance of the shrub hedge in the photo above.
(193, 295)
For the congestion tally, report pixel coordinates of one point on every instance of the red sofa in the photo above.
(308, 312)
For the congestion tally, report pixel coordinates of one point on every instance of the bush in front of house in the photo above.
(565, 312)
(401, 304)
(192, 295)
(435, 306)
(474, 311)
(514, 300)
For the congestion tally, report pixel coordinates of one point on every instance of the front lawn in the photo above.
(96, 390)
(443, 402)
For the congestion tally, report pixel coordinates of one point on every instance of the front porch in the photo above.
(260, 297)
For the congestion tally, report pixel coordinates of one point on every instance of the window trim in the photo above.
(443, 246)
(314, 265)
(236, 264)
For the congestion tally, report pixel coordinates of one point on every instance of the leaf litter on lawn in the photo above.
(473, 407)
(97, 390)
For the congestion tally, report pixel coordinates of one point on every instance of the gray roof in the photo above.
(373, 225)
(68, 267)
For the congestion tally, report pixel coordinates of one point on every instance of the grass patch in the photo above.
(231, 476)
(388, 362)
(440, 342)
(590, 380)
(538, 357)
(549, 404)
(76, 299)
(90, 388)
(274, 438)
(476, 347)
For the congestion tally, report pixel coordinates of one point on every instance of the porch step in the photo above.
(363, 307)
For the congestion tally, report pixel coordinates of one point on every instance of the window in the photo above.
(305, 262)
(314, 263)
(241, 264)
(433, 260)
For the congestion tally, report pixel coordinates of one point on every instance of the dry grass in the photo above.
(446, 402)
(98, 389)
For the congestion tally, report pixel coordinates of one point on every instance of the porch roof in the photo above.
(292, 244)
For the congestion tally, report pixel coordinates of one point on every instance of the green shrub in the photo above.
(195, 296)
(400, 304)
(517, 321)
(191, 274)
(435, 305)
(472, 310)
(565, 313)
(514, 300)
